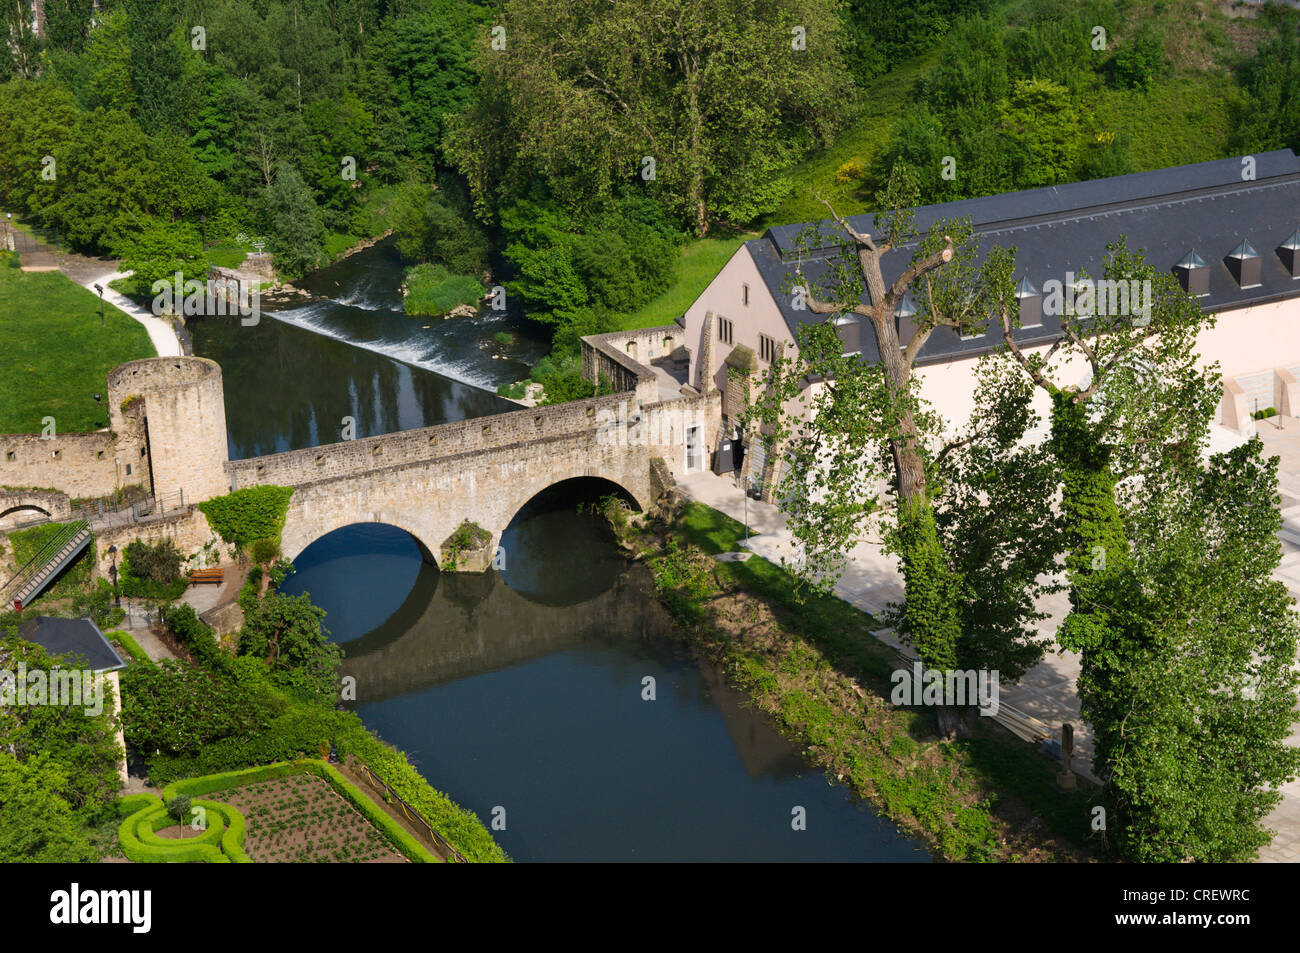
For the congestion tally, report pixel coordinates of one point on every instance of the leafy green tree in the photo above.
(435, 224)
(1138, 63)
(1040, 119)
(177, 709)
(718, 97)
(285, 631)
(1270, 116)
(81, 745)
(293, 222)
(965, 606)
(159, 251)
(39, 826)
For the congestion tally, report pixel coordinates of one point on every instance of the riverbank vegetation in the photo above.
(56, 356)
(811, 661)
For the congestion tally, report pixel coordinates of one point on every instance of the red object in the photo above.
(18, 605)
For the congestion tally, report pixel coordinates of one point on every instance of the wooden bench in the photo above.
(207, 575)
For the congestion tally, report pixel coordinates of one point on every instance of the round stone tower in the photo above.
(169, 414)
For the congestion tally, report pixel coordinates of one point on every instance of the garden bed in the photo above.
(302, 819)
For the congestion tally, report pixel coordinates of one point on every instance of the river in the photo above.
(523, 693)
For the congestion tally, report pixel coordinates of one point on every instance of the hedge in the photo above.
(255, 512)
(130, 646)
(221, 843)
(397, 835)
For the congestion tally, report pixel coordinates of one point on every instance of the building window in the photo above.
(631, 349)
(58, 454)
(99, 454)
(9, 456)
(766, 348)
(744, 294)
(128, 469)
(724, 330)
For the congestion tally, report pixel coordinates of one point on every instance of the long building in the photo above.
(1229, 230)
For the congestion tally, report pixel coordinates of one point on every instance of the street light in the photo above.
(100, 289)
(112, 574)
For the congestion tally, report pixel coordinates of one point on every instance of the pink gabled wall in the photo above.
(724, 297)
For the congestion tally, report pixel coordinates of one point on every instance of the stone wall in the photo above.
(189, 530)
(370, 454)
(19, 506)
(78, 464)
(622, 357)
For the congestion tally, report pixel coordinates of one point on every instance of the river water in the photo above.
(522, 693)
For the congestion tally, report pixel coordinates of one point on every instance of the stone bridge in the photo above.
(24, 506)
(428, 481)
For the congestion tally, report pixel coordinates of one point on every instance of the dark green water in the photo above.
(521, 689)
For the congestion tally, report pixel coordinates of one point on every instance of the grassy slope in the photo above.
(701, 260)
(55, 355)
(834, 631)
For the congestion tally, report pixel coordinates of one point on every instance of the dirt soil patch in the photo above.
(302, 819)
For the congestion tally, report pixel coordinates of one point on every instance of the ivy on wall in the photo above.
(253, 513)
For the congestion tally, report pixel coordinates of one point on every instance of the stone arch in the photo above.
(300, 534)
(597, 479)
(8, 519)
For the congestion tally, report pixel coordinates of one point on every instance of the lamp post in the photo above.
(100, 289)
(112, 574)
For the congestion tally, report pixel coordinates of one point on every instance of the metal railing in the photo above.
(33, 567)
(411, 813)
(102, 512)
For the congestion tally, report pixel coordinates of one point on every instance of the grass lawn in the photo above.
(55, 356)
(700, 262)
(226, 256)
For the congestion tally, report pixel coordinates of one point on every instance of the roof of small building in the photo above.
(78, 637)
(1206, 208)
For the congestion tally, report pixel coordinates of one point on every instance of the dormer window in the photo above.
(849, 329)
(1289, 252)
(1193, 274)
(1243, 261)
(1031, 304)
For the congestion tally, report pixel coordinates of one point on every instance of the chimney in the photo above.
(849, 328)
(905, 318)
(1289, 252)
(1243, 262)
(1193, 274)
(1031, 304)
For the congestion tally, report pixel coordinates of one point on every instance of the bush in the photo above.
(515, 391)
(158, 563)
(433, 290)
(177, 710)
(265, 551)
(130, 647)
(97, 606)
(253, 513)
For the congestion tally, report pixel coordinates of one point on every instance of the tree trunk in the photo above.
(955, 721)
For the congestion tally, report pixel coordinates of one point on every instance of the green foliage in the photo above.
(286, 633)
(253, 513)
(265, 551)
(1138, 63)
(130, 648)
(433, 290)
(294, 222)
(579, 97)
(159, 563)
(40, 826)
(682, 576)
(80, 746)
(97, 605)
(515, 391)
(195, 635)
(160, 250)
(466, 537)
(178, 807)
(435, 224)
(174, 709)
(1269, 118)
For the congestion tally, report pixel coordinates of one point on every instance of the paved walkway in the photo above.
(161, 333)
(872, 580)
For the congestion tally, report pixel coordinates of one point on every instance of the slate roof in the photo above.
(80, 637)
(1204, 208)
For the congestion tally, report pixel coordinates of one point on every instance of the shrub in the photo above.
(433, 290)
(158, 563)
(515, 391)
(179, 710)
(130, 647)
(195, 634)
(467, 536)
(253, 513)
(265, 550)
(851, 171)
